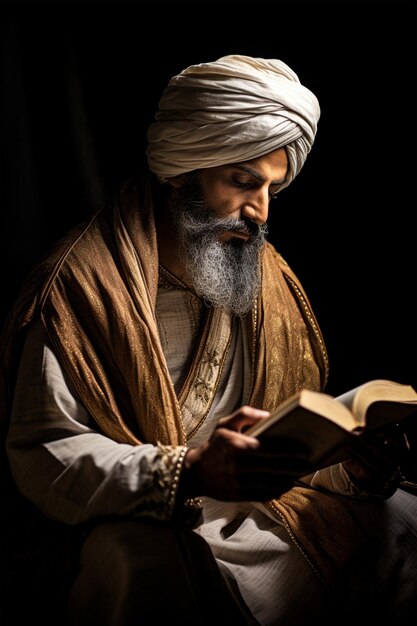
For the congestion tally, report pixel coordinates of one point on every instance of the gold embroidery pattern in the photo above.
(203, 387)
(171, 459)
(160, 479)
(200, 387)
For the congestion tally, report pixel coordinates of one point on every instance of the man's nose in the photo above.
(257, 207)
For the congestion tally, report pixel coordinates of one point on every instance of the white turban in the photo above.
(231, 110)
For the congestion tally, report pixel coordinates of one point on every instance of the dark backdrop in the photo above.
(80, 82)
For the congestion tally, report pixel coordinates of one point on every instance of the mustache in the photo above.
(244, 226)
(200, 219)
(216, 225)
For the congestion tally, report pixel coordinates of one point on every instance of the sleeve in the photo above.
(334, 479)
(69, 470)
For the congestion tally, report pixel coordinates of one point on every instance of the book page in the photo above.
(380, 402)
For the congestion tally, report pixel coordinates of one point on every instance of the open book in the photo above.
(323, 424)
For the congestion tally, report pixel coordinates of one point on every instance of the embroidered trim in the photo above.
(169, 472)
(170, 281)
(271, 505)
(191, 512)
(204, 386)
(201, 384)
(386, 490)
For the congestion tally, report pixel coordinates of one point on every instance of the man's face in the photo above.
(244, 190)
(220, 217)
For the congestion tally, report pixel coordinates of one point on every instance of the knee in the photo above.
(132, 569)
(120, 563)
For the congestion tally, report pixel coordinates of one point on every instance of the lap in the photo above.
(134, 571)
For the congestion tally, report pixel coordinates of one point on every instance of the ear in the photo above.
(177, 181)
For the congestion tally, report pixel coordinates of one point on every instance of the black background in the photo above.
(80, 83)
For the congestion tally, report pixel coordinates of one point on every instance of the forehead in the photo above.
(271, 166)
(275, 161)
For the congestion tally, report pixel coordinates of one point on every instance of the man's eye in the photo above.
(251, 184)
(242, 184)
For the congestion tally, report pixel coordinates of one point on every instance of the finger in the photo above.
(242, 418)
(230, 441)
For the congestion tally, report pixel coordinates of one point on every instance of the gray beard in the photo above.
(225, 274)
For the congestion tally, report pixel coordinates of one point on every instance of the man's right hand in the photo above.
(233, 466)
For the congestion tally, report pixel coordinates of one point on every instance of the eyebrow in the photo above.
(258, 177)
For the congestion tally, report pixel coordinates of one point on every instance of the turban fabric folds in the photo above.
(231, 110)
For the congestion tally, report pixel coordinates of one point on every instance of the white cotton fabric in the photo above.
(231, 110)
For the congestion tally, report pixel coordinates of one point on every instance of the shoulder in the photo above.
(272, 258)
(276, 271)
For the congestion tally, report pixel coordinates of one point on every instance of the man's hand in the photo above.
(235, 467)
(375, 459)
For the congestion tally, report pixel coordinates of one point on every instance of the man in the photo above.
(139, 352)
